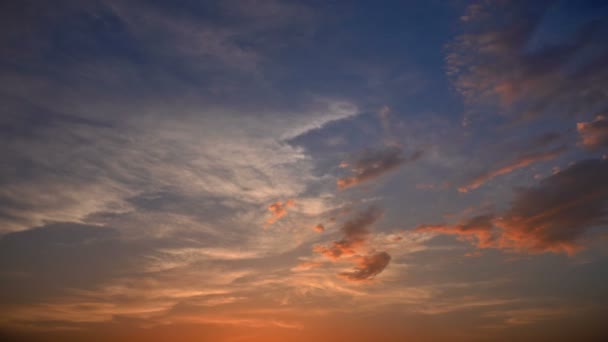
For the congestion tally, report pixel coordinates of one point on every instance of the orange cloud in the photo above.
(551, 217)
(337, 249)
(373, 164)
(319, 228)
(518, 163)
(477, 230)
(307, 265)
(278, 210)
(367, 267)
(594, 134)
(356, 232)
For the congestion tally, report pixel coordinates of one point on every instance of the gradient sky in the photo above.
(271, 170)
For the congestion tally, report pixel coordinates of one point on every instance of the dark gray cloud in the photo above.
(368, 266)
(373, 164)
(355, 231)
(551, 217)
(554, 215)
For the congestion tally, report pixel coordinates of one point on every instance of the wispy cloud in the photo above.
(518, 163)
(373, 164)
(594, 134)
(506, 60)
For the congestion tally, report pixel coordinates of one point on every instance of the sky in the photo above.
(266, 170)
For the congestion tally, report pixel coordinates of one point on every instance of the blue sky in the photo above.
(297, 170)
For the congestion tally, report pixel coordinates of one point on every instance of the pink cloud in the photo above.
(367, 267)
(319, 228)
(594, 134)
(520, 162)
(278, 210)
(550, 217)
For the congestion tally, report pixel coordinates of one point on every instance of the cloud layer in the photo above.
(373, 164)
(550, 217)
(507, 59)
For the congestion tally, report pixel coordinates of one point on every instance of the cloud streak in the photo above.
(373, 164)
(519, 163)
(478, 230)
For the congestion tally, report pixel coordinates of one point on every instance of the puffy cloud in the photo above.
(520, 162)
(319, 228)
(368, 267)
(278, 210)
(554, 215)
(373, 164)
(550, 217)
(594, 134)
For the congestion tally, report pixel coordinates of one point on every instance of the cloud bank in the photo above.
(551, 217)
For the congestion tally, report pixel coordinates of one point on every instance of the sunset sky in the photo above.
(265, 170)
